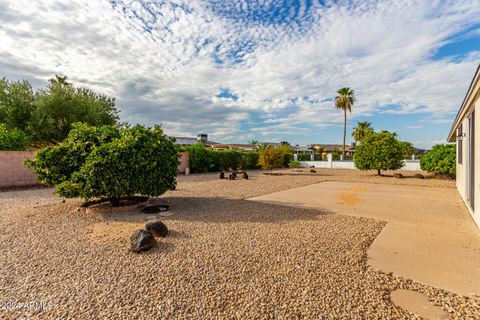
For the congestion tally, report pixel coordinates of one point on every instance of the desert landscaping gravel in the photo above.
(224, 257)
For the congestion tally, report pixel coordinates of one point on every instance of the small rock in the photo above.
(418, 176)
(313, 171)
(142, 240)
(157, 228)
(398, 175)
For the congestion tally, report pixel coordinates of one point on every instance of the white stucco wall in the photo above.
(462, 168)
(476, 212)
(409, 165)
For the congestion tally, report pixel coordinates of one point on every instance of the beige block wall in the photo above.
(184, 162)
(13, 172)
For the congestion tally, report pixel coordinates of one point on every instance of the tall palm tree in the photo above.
(345, 101)
(253, 143)
(363, 129)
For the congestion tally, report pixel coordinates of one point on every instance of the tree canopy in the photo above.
(48, 114)
(379, 151)
(109, 162)
(363, 129)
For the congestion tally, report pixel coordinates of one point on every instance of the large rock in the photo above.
(157, 228)
(142, 240)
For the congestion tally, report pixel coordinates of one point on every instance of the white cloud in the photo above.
(162, 59)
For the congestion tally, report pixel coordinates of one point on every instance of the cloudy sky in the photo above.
(255, 69)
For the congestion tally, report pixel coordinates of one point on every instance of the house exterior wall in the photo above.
(462, 175)
(461, 169)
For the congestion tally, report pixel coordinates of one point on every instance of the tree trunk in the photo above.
(115, 201)
(379, 173)
(344, 131)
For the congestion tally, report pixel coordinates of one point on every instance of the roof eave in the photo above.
(451, 135)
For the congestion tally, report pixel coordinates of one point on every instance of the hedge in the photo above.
(206, 160)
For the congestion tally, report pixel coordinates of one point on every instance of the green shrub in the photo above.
(440, 160)
(200, 158)
(304, 157)
(249, 161)
(336, 155)
(379, 151)
(107, 162)
(294, 164)
(12, 139)
(287, 158)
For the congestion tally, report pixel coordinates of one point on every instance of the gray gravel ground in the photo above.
(225, 258)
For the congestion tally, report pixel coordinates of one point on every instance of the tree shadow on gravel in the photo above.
(222, 210)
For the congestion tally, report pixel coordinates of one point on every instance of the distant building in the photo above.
(329, 148)
(201, 138)
(234, 146)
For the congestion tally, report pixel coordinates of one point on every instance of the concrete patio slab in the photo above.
(429, 238)
(418, 303)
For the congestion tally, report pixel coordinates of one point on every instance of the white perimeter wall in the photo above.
(409, 165)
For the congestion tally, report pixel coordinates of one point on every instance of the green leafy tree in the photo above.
(12, 139)
(61, 104)
(17, 102)
(363, 129)
(407, 149)
(344, 101)
(441, 160)
(271, 157)
(109, 163)
(200, 158)
(379, 151)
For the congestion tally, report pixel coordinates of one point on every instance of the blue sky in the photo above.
(265, 70)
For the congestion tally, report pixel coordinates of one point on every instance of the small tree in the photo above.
(440, 160)
(271, 157)
(17, 102)
(379, 151)
(12, 139)
(61, 104)
(109, 163)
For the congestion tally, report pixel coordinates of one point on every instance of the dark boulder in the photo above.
(142, 240)
(157, 228)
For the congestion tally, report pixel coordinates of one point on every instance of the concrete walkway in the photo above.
(430, 237)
